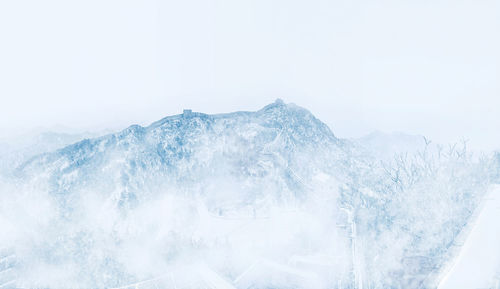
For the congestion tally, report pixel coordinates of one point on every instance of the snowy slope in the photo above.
(477, 264)
(16, 150)
(277, 148)
(264, 199)
(127, 206)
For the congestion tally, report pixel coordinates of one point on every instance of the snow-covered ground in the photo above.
(478, 261)
(264, 199)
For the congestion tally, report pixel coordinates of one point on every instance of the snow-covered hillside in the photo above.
(272, 153)
(477, 264)
(265, 199)
(16, 150)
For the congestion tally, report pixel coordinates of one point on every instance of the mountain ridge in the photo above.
(190, 148)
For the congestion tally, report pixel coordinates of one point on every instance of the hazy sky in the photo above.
(423, 67)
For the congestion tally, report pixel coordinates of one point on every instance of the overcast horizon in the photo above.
(415, 67)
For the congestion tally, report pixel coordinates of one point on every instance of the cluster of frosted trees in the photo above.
(409, 211)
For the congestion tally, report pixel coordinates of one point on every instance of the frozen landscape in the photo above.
(145, 144)
(264, 199)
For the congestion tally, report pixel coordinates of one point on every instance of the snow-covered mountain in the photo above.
(277, 150)
(264, 199)
(15, 151)
(238, 183)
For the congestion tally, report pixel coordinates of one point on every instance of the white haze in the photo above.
(173, 238)
(421, 67)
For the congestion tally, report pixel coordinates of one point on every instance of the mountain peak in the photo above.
(172, 148)
(277, 104)
(279, 101)
(278, 115)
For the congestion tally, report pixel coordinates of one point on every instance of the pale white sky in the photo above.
(422, 67)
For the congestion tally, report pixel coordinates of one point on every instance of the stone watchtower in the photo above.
(187, 113)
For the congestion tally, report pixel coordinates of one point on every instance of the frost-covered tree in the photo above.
(409, 211)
